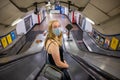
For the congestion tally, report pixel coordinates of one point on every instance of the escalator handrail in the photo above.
(106, 75)
(7, 60)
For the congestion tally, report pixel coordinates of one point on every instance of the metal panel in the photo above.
(9, 13)
(106, 5)
(25, 3)
(115, 11)
(96, 15)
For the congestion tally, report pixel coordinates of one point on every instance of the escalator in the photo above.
(86, 43)
(23, 68)
(29, 68)
(78, 37)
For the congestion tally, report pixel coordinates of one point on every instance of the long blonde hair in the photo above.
(51, 35)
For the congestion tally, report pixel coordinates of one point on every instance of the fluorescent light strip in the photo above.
(90, 20)
(16, 22)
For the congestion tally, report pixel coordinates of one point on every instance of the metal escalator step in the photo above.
(41, 78)
(33, 74)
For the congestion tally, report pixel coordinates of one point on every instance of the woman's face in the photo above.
(56, 25)
(56, 28)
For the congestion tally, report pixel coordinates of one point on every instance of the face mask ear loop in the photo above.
(60, 29)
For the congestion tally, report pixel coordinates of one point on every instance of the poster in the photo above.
(114, 43)
(101, 41)
(0, 46)
(107, 42)
(28, 22)
(62, 10)
(9, 39)
(97, 38)
(4, 42)
(13, 36)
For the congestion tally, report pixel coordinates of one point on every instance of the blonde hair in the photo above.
(51, 35)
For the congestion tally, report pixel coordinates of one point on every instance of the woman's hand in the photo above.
(66, 63)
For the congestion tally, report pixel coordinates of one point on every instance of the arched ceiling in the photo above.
(100, 11)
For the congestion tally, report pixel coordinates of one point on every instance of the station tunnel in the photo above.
(90, 38)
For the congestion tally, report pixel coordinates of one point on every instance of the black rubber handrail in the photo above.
(87, 69)
(19, 57)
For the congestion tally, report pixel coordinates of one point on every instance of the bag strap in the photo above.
(50, 43)
(48, 46)
(47, 52)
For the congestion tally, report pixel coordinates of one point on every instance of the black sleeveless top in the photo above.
(50, 58)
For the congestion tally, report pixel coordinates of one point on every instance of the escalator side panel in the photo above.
(21, 69)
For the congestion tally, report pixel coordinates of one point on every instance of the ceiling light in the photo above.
(16, 22)
(90, 21)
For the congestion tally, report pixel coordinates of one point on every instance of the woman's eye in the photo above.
(55, 26)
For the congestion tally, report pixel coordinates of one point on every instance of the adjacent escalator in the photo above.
(29, 68)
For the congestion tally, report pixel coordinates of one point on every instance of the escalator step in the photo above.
(41, 78)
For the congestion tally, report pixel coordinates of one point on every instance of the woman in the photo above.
(53, 45)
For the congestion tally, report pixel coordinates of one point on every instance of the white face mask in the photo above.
(56, 31)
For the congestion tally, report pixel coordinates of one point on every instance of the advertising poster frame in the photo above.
(106, 43)
(97, 38)
(9, 39)
(13, 35)
(4, 42)
(114, 43)
(28, 23)
(101, 41)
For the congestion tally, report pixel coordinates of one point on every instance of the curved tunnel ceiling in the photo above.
(100, 11)
(10, 10)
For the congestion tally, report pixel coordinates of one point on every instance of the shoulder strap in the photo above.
(48, 45)
(47, 61)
